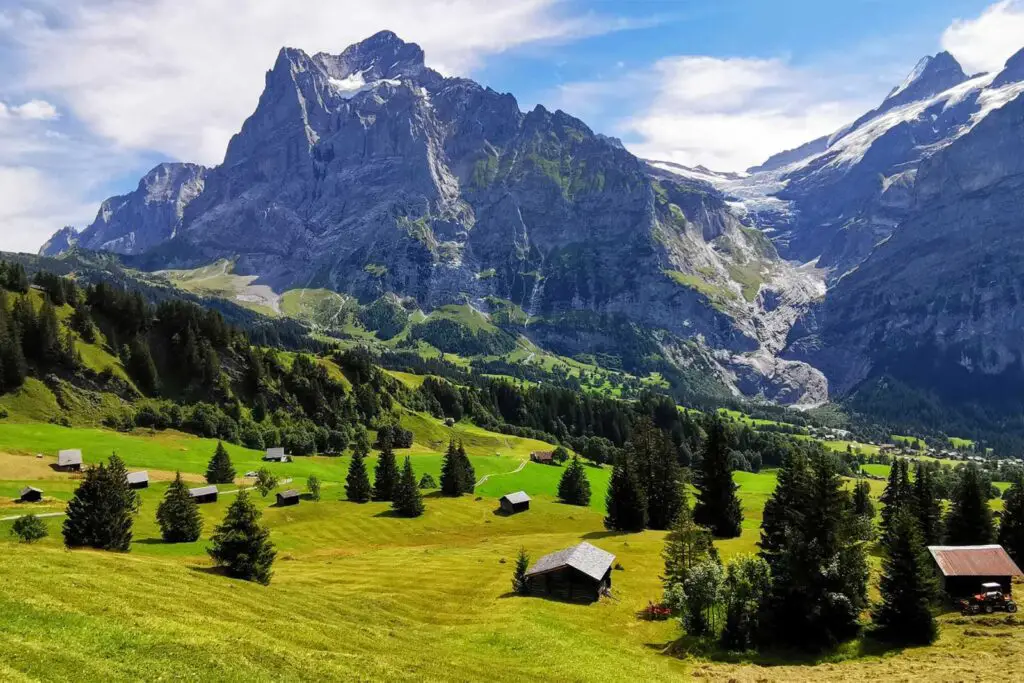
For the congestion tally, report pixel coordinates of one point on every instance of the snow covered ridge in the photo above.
(355, 83)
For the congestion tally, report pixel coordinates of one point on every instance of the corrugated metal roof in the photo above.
(517, 497)
(584, 557)
(72, 456)
(138, 477)
(974, 560)
(202, 491)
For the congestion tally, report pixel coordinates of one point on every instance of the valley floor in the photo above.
(359, 594)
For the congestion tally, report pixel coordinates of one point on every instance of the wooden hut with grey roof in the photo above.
(582, 573)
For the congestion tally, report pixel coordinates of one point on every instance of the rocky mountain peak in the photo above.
(931, 76)
(382, 55)
(1013, 72)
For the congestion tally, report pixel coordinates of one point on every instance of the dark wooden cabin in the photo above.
(289, 497)
(69, 460)
(512, 503)
(543, 457)
(582, 573)
(30, 494)
(138, 480)
(204, 494)
(963, 568)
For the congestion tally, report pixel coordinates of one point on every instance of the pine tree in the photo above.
(926, 506)
(907, 586)
(574, 487)
(385, 477)
(357, 482)
(897, 494)
(467, 475)
(408, 501)
(427, 481)
(1011, 525)
(47, 342)
(625, 503)
(451, 481)
(220, 470)
(658, 468)
(686, 545)
(178, 515)
(718, 507)
(141, 366)
(862, 503)
(100, 515)
(241, 545)
(969, 521)
(519, 582)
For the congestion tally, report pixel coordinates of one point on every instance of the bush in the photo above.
(29, 529)
(427, 482)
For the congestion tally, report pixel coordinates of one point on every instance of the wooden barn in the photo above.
(963, 568)
(276, 455)
(138, 480)
(289, 497)
(204, 494)
(512, 503)
(543, 457)
(70, 460)
(30, 494)
(582, 573)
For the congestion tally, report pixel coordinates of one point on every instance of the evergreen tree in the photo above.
(385, 477)
(686, 545)
(47, 347)
(451, 482)
(467, 475)
(427, 481)
(926, 506)
(718, 507)
(241, 545)
(907, 586)
(1011, 524)
(178, 515)
(141, 367)
(357, 482)
(897, 494)
(862, 503)
(574, 487)
(625, 503)
(13, 368)
(658, 468)
(220, 470)
(100, 515)
(408, 501)
(519, 583)
(969, 521)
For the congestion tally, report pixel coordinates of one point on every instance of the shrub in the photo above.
(29, 529)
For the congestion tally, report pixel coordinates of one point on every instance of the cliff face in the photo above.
(368, 173)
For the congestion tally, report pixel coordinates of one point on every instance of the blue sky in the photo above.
(93, 93)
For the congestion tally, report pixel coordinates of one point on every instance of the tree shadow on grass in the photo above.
(592, 535)
(152, 541)
(707, 648)
(389, 513)
(211, 571)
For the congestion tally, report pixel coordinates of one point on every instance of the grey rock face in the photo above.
(61, 241)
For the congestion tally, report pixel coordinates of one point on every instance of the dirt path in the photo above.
(502, 474)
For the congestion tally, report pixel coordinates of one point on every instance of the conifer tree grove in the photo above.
(625, 502)
(907, 586)
(1011, 524)
(718, 506)
(178, 515)
(863, 506)
(408, 501)
(241, 545)
(969, 520)
(658, 468)
(926, 506)
(574, 487)
(385, 477)
(357, 482)
(897, 494)
(220, 470)
(100, 515)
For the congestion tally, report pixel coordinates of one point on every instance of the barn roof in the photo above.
(29, 489)
(584, 557)
(517, 497)
(138, 477)
(202, 491)
(290, 493)
(71, 456)
(973, 560)
(542, 455)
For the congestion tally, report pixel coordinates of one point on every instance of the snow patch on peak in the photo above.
(355, 83)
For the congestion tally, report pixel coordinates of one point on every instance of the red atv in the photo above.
(991, 599)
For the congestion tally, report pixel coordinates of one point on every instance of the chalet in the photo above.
(581, 573)
(70, 460)
(543, 457)
(289, 497)
(30, 494)
(204, 494)
(963, 568)
(512, 503)
(276, 455)
(138, 480)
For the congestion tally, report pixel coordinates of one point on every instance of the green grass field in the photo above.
(361, 595)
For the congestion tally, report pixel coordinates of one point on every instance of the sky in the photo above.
(93, 93)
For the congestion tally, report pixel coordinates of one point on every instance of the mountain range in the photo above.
(889, 249)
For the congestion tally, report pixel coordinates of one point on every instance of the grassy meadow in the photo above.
(359, 594)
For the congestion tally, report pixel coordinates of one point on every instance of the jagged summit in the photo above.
(1013, 71)
(931, 76)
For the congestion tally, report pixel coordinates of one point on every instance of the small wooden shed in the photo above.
(204, 494)
(138, 480)
(70, 460)
(512, 503)
(30, 494)
(582, 573)
(963, 568)
(289, 497)
(543, 457)
(276, 455)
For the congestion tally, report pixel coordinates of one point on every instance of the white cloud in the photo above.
(33, 110)
(180, 76)
(32, 206)
(987, 41)
(727, 114)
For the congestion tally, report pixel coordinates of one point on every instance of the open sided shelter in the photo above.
(963, 568)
